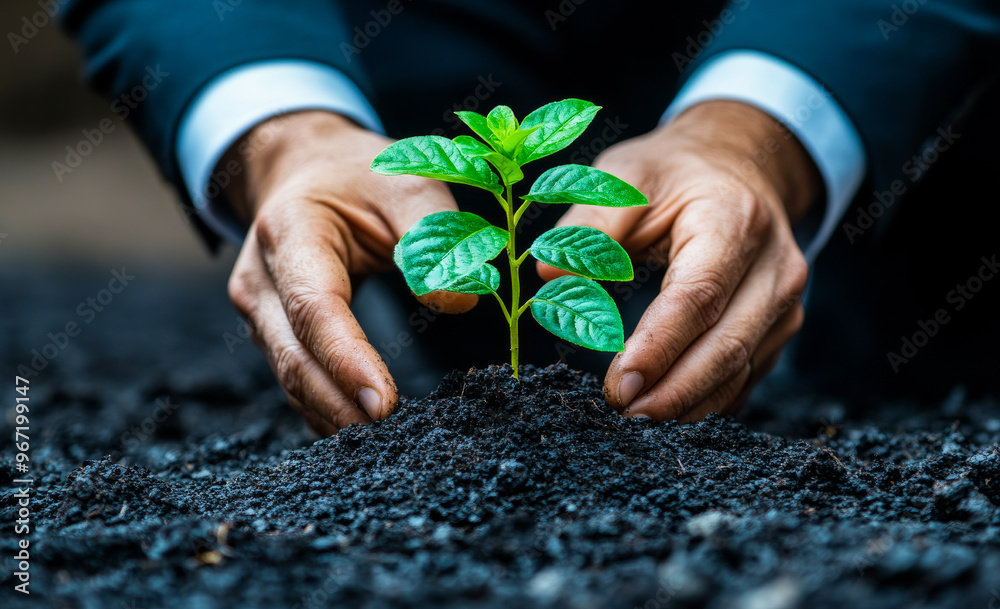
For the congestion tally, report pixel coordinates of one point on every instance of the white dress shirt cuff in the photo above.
(236, 101)
(804, 107)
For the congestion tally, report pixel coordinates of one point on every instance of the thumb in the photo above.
(617, 222)
(415, 199)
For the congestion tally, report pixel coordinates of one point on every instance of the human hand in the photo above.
(730, 297)
(319, 221)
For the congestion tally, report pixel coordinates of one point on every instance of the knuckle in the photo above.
(267, 229)
(676, 401)
(798, 272)
(665, 352)
(239, 293)
(733, 355)
(288, 370)
(757, 218)
(302, 309)
(706, 295)
(797, 319)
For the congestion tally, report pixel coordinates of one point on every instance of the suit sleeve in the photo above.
(152, 57)
(900, 71)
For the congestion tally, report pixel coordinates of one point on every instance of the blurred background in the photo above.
(62, 241)
(112, 209)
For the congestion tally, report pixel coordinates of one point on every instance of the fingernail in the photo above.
(636, 415)
(629, 387)
(369, 399)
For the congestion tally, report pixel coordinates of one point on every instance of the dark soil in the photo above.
(489, 493)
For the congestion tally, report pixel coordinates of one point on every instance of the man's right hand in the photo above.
(320, 219)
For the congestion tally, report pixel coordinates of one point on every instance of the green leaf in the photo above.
(580, 311)
(560, 123)
(583, 185)
(501, 122)
(444, 247)
(508, 169)
(512, 144)
(479, 125)
(484, 280)
(432, 156)
(470, 146)
(585, 251)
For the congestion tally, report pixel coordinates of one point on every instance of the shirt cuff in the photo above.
(804, 107)
(236, 101)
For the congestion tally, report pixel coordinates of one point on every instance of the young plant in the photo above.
(451, 250)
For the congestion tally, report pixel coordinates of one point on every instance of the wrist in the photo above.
(762, 150)
(272, 149)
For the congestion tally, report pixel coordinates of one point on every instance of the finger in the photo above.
(712, 373)
(310, 388)
(790, 319)
(711, 252)
(726, 400)
(453, 303)
(304, 255)
(321, 426)
(729, 398)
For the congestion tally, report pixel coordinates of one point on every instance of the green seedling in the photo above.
(451, 250)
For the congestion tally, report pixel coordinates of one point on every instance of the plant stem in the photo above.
(525, 306)
(503, 307)
(515, 283)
